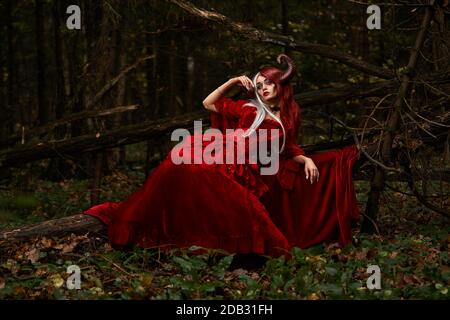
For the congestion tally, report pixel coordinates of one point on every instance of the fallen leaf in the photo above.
(19, 291)
(313, 296)
(393, 255)
(361, 255)
(56, 280)
(239, 272)
(47, 242)
(408, 279)
(254, 276)
(147, 280)
(66, 248)
(33, 255)
(41, 271)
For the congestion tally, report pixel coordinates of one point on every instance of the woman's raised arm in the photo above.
(214, 96)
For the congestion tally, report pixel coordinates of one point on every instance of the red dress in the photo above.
(225, 206)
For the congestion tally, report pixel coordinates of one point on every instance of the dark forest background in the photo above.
(86, 114)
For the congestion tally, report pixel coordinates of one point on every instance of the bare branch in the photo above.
(113, 82)
(254, 34)
(38, 131)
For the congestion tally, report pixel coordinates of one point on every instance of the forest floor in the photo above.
(411, 249)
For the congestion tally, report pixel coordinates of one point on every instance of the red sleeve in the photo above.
(229, 108)
(291, 148)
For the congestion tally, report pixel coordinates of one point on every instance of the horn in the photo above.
(290, 71)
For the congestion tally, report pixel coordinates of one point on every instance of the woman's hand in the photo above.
(243, 81)
(214, 96)
(311, 170)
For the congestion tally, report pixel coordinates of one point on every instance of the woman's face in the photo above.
(266, 89)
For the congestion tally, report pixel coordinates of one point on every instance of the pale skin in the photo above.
(266, 90)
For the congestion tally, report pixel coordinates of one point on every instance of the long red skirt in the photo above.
(186, 205)
(192, 204)
(309, 214)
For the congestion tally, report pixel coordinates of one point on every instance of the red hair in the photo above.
(289, 108)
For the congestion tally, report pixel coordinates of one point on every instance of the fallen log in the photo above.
(77, 224)
(28, 133)
(96, 141)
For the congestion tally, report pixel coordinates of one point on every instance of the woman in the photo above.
(306, 209)
(219, 205)
(274, 101)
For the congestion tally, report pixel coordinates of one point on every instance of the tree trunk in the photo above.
(152, 93)
(173, 103)
(156, 103)
(190, 71)
(113, 156)
(377, 184)
(77, 91)
(285, 23)
(11, 68)
(43, 107)
(3, 110)
(60, 102)
(119, 119)
(58, 168)
(96, 181)
(364, 42)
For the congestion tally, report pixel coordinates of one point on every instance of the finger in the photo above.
(247, 82)
(244, 83)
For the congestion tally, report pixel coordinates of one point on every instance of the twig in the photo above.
(361, 149)
(117, 266)
(425, 119)
(373, 111)
(406, 163)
